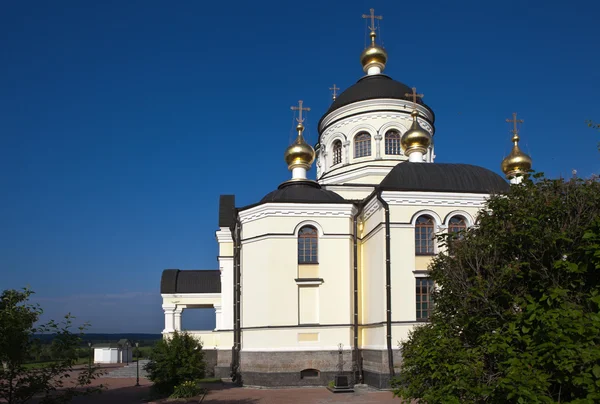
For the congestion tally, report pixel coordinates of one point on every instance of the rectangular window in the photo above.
(424, 299)
(308, 302)
(307, 250)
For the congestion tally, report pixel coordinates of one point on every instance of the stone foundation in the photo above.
(273, 369)
(278, 369)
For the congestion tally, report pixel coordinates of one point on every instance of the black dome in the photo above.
(372, 87)
(432, 177)
(302, 192)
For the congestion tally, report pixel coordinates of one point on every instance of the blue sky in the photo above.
(121, 122)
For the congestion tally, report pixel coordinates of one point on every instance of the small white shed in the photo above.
(120, 352)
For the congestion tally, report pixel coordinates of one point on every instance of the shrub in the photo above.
(174, 361)
(187, 390)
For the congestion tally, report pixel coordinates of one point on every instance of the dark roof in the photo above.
(302, 192)
(190, 281)
(372, 87)
(227, 211)
(434, 177)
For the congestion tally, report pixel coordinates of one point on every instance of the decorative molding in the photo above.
(356, 174)
(462, 213)
(435, 199)
(189, 296)
(372, 206)
(309, 281)
(224, 235)
(296, 209)
(372, 106)
(302, 347)
(281, 236)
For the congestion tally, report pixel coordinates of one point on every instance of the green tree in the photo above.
(51, 383)
(517, 315)
(176, 360)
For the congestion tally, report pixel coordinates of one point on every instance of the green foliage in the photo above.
(517, 315)
(187, 390)
(174, 361)
(50, 383)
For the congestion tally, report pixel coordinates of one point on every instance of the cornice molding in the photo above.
(434, 198)
(297, 209)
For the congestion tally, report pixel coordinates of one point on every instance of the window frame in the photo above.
(313, 238)
(420, 282)
(421, 238)
(453, 228)
(363, 144)
(392, 142)
(336, 152)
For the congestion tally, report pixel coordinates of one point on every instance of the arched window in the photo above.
(456, 224)
(392, 142)
(337, 152)
(424, 236)
(362, 145)
(308, 242)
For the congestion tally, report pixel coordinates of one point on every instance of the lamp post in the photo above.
(137, 354)
(90, 357)
(127, 353)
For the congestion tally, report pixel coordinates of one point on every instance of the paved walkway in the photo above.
(296, 396)
(129, 370)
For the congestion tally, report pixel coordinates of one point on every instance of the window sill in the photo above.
(308, 263)
(425, 254)
(309, 281)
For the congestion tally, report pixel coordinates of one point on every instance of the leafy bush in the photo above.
(175, 360)
(517, 314)
(187, 390)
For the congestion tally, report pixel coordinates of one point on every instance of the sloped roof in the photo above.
(190, 281)
(443, 177)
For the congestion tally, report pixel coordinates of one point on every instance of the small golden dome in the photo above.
(517, 162)
(373, 55)
(299, 153)
(416, 138)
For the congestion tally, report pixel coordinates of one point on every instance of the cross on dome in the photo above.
(373, 17)
(299, 108)
(414, 96)
(334, 89)
(515, 121)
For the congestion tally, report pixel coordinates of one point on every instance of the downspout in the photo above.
(237, 332)
(388, 288)
(357, 363)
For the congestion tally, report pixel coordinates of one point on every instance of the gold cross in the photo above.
(300, 108)
(334, 89)
(515, 121)
(414, 95)
(373, 17)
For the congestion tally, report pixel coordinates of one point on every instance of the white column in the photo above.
(373, 70)
(299, 173)
(177, 318)
(416, 157)
(378, 138)
(226, 268)
(218, 314)
(346, 152)
(516, 180)
(169, 310)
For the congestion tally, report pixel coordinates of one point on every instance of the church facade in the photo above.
(327, 276)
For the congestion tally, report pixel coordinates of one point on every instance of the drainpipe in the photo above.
(237, 332)
(388, 288)
(356, 360)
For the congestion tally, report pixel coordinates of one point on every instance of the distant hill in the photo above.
(96, 338)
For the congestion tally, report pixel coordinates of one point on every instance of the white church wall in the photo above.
(297, 339)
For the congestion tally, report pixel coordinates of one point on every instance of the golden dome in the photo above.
(299, 153)
(517, 162)
(373, 55)
(416, 138)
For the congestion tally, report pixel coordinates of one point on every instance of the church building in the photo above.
(328, 276)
